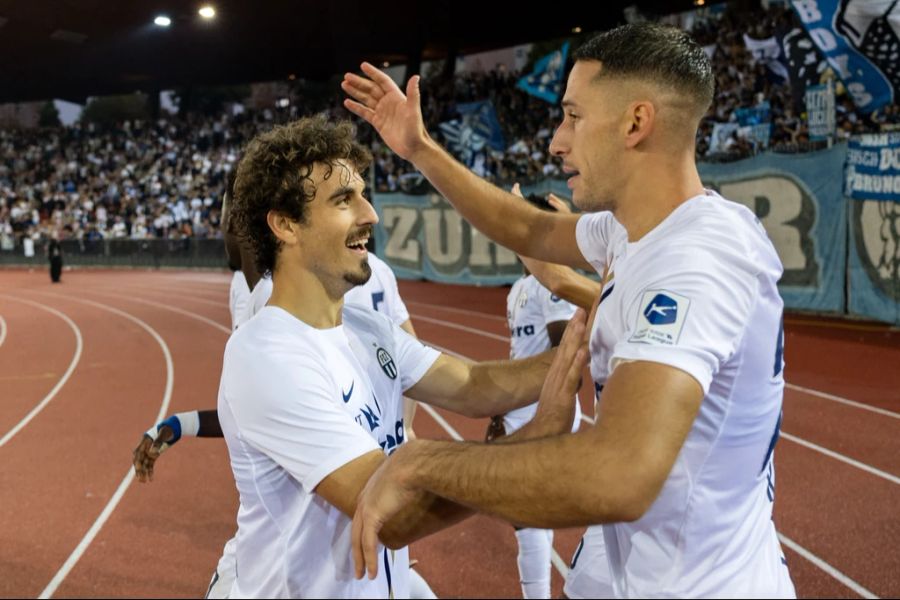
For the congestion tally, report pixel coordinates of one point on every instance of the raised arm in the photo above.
(495, 212)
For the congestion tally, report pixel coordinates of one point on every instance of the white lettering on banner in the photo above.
(874, 184)
(443, 236)
(808, 10)
(785, 204)
(824, 39)
(399, 222)
(890, 159)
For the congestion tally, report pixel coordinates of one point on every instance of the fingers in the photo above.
(364, 543)
(380, 77)
(557, 203)
(412, 89)
(143, 464)
(517, 190)
(572, 379)
(361, 88)
(360, 110)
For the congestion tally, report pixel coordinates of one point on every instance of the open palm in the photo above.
(396, 117)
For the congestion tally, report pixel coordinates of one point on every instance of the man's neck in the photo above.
(303, 295)
(653, 192)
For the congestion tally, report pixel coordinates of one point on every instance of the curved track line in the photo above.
(2, 330)
(145, 290)
(129, 477)
(881, 411)
(79, 344)
(186, 313)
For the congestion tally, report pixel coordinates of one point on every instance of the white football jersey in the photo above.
(699, 293)
(530, 307)
(297, 403)
(238, 298)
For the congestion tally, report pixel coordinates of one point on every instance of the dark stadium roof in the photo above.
(75, 48)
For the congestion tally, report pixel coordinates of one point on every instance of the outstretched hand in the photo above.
(148, 450)
(560, 392)
(396, 117)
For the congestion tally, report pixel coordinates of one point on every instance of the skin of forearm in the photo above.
(497, 387)
(209, 424)
(498, 214)
(515, 481)
(426, 515)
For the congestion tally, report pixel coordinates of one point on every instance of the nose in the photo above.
(367, 214)
(559, 145)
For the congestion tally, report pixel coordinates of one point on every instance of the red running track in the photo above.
(87, 365)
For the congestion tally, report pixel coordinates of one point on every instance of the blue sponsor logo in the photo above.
(554, 298)
(662, 310)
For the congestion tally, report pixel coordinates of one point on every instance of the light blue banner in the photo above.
(798, 200)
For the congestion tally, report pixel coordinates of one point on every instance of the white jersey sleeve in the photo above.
(239, 297)
(415, 358)
(691, 312)
(554, 308)
(295, 418)
(395, 309)
(594, 234)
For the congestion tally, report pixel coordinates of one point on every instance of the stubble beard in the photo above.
(361, 277)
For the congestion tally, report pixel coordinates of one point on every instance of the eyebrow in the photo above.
(342, 191)
(568, 103)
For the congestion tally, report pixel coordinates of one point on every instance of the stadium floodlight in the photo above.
(576, 30)
(162, 21)
(207, 12)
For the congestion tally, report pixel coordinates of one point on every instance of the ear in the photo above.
(640, 119)
(285, 229)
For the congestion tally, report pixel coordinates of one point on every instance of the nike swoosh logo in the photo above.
(348, 394)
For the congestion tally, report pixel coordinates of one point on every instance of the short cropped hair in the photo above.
(275, 174)
(656, 53)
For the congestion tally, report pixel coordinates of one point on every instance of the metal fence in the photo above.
(185, 253)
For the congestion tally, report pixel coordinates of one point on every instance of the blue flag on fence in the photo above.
(478, 127)
(873, 167)
(860, 40)
(758, 123)
(546, 80)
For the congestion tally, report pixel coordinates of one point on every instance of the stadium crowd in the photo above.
(164, 177)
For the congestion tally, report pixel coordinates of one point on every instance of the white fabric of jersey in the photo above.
(380, 293)
(238, 298)
(297, 403)
(530, 307)
(699, 293)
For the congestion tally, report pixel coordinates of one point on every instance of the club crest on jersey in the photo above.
(387, 363)
(661, 318)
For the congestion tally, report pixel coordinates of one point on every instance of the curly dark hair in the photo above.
(275, 174)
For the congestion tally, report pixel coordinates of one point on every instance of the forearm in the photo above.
(514, 481)
(497, 387)
(564, 282)
(209, 424)
(498, 214)
(428, 514)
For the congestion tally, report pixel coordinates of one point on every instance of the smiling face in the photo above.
(332, 241)
(589, 140)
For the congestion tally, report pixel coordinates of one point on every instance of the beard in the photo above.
(360, 277)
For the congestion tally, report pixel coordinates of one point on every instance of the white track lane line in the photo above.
(825, 567)
(186, 313)
(844, 459)
(461, 311)
(79, 344)
(881, 411)
(450, 325)
(85, 542)
(2, 330)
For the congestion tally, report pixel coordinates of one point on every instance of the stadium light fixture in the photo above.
(385, 64)
(699, 2)
(576, 30)
(207, 12)
(162, 21)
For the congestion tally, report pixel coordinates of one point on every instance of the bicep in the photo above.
(647, 410)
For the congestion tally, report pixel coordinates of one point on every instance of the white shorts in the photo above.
(589, 571)
(226, 571)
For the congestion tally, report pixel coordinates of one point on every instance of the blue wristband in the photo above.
(175, 423)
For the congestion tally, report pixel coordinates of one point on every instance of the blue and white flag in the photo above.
(546, 80)
(873, 167)
(767, 52)
(861, 41)
(476, 128)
